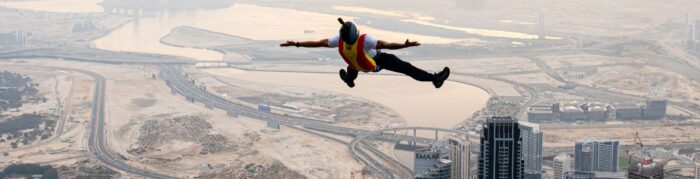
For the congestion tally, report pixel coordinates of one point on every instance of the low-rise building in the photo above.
(578, 74)
(571, 112)
(597, 111)
(540, 112)
(578, 175)
(628, 111)
(609, 175)
(14, 38)
(655, 109)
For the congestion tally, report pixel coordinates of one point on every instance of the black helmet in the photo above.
(348, 32)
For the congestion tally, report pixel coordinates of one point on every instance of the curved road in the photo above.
(96, 137)
(176, 81)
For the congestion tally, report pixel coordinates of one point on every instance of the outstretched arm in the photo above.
(394, 46)
(311, 44)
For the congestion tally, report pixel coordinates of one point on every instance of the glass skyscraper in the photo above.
(501, 155)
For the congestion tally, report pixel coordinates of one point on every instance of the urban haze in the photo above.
(527, 89)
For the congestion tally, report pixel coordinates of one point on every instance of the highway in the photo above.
(170, 70)
(177, 81)
(95, 55)
(98, 147)
(96, 137)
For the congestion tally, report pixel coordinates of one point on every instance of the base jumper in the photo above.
(363, 53)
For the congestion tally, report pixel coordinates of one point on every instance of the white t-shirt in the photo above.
(370, 45)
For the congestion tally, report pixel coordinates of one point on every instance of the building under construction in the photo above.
(645, 170)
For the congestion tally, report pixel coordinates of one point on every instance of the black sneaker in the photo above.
(344, 77)
(441, 77)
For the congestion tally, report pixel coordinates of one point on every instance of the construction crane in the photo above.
(638, 141)
(644, 157)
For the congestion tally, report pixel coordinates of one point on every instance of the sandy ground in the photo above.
(125, 83)
(582, 60)
(534, 78)
(419, 103)
(645, 81)
(300, 151)
(74, 90)
(657, 135)
(481, 65)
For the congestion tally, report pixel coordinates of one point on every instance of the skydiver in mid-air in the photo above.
(362, 53)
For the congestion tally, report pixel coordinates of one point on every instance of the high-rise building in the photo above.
(597, 155)
(500, 155)
(460, 156)
(425, 159)
(651, 170)
(697, 170)
(562, 163)
(531, 149)
(441, 170)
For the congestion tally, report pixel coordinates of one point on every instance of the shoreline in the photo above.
(427, 99)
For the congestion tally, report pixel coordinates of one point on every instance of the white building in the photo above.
(562, 163)
(460, 156)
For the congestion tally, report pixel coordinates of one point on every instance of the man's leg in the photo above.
(393, 63)
(352, 73)
(348, 76)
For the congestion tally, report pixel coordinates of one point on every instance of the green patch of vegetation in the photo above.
(623, 163)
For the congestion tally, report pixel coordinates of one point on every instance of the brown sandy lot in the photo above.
(129, 86)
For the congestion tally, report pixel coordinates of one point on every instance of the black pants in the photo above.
(393, 63)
